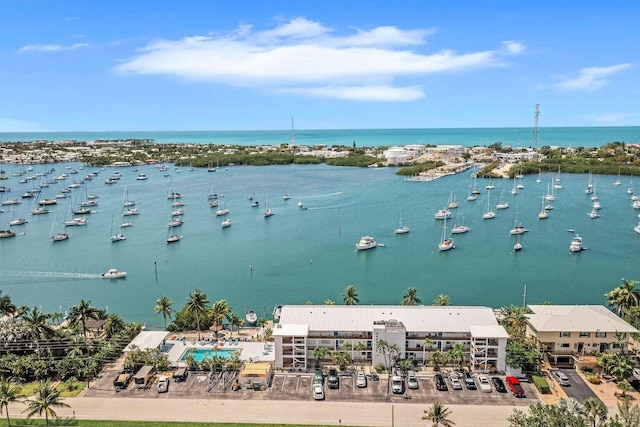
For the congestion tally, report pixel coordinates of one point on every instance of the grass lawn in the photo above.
(29, 389)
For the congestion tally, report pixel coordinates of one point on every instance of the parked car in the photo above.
(468, 381)
(412, 380)
(514, 386)
(441, 385)
(361, 379)
(498, 384)
(562, 379)
(454, 379)
(397, 384)
(319, 377)
(318, 392)
(332, 379)
(163, 384)
(122, 380)
(485, 387)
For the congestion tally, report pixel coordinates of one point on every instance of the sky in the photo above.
(254, 65)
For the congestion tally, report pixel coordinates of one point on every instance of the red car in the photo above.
(514, 386)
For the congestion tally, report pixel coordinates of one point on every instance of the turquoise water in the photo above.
(309, 255)
(200, 354)
(564, 137)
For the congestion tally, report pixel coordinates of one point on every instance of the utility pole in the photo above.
(524, 296)
(536, 131)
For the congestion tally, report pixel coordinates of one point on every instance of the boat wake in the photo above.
(52, 274)
(311, 196)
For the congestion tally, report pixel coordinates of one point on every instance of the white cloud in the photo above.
(591, 78)
(51, 47)
(306, 57)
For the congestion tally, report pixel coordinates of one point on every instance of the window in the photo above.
(585, 334)
(565, 345)
(601, 334)
(565, 334)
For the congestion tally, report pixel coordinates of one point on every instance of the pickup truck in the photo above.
(122, 380)
(332, 379)
(515, 386)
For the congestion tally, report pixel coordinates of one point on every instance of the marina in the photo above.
(307, 254)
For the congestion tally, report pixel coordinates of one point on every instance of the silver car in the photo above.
(455, 382)
(361, 380)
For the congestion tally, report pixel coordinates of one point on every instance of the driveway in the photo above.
(578, 389)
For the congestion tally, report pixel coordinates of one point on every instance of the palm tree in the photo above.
(8, 394)
(595, 409)
(438, 414)
(389, 353)
(37, 324)
(47, 398)
(350, 296)
(218, 312)
(7, 308)
(237, 321)
(113, 324)
(624, 296)
(163, 306)
(329, 302)
(514, 319)
(78, 315)
(442, 300)
(457, 354)
(197, 306)
(410, 297)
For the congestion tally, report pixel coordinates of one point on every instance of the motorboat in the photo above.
(251, 317)
(174, 238)
(255, 204)
(226, 223)
(7, 233)
(113, 273)
(141, 177)
(300, 204)
(576, 244)
(82, 211)
(366, 242)
(286, 197)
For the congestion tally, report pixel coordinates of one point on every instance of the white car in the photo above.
(485, 385)
(455, 382)
(318, 392)
(163, 384)
(361, 380)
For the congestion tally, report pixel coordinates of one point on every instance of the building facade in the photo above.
(415, 330)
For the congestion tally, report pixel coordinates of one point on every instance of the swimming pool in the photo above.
(199, 354)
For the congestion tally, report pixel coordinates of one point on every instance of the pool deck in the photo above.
(249, 351)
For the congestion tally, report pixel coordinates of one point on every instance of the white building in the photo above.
(356, 329)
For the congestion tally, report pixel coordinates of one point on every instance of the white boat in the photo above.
(126, 224)
(576, 244)
(174, 238)
(538, 180)
(446, 243)
(636, 204)
(226, 223)
(175, 222)
(10, 202)
(518, 246)
(177, 204)
(543, 211)
(514, 190)
(366, 242)
(255, 204)
(501, 203)
(453, 204)
(459, 228)
(637, 228)
(594, 214)
(75, 222)
(549, 197)
(118, 237)
(472, 197)
(142, 177)
(174, 196)
(89, 203)
(300, 204)
(113, 273)
(251, 317)
(402, 229)
(7, 233)
(222, 212)
(177, 212)
(213, 204)
(131, 212)
(488, 213)
(596, 205)
(268, 213)
(18, 221)
(125, 201)
(59, 236)
(442, 214)
(490, 186)
(617, 182)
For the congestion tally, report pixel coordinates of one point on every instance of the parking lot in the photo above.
(298, 386)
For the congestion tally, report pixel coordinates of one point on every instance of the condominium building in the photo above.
(415, 330)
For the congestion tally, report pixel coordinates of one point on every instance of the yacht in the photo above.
(226, 223)
(113, 273)
(7, 233)
(175, 222)
(18, 221)
(118, 237)
(366, 242)
(75, 222)
(518, 229)
(268, 213)
(221, 212)
(60, 237)
(251, 317)
(402, 230)
(130, 212)
(576, 244)
(141, 177)
(39, 211)
(126, 224)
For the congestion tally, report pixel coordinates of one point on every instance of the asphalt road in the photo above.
(578, 389)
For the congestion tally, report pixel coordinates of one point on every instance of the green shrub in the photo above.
(541, 384)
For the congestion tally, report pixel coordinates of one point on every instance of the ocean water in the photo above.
(301, 255)
(563, 137)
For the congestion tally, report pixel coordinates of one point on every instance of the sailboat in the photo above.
(174, 222)
(589, 189)
(445, 243)
(117, 237)
(459, 227)
(223, 211)
(453, 204)
(617, 182)
(514, 190)
(125, 200)
(501, 203)
(210, 168)
(488, 213)
(517, 227)
(539, 179)
(402, 229)
(267, 212)
(549, 196)
(474, 189)
(518, 246)
(16, 221)
(543, 212)
(59, 236)
(557, 183)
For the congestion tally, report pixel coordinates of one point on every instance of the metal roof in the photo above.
(147, 340)
(362, 317)
(576, 318)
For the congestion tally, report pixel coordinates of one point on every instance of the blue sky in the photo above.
(252, 65)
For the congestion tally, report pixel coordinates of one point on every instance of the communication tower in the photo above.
(536, 131)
